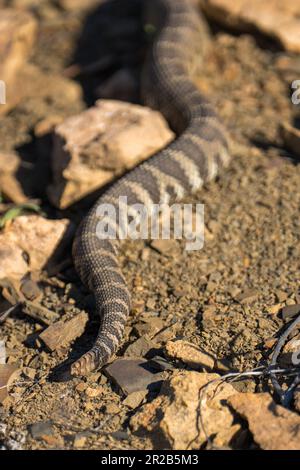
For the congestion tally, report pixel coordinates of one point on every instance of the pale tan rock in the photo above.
(190, 354)
(79, 441)
(31, 82)
(133, 400)
(9, 184)
(277, 18)
(95, 146)
(273, 427)
(29, 242)
(8, 373)
(17, 35)
(93, 392)
(172, 419)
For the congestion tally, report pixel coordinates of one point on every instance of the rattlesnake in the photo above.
(201, 148)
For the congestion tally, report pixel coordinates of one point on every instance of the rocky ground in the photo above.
(196, 314)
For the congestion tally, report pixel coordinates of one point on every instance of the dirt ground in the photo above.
(252, 232)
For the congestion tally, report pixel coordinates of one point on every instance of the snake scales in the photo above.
(200, 149)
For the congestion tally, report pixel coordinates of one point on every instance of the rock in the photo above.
(274, 309)
(166, 334)
(30, 242)
(9, 184)
(81, 387)
(29, 372)
(172, 419)
(140, 347)
(112, 408)
(209, 313)
(132, 375)
(93, 392)
(279, 20)
(62, 333)
(92, 148)
(270, 342)
(281, 296)
(51, 86)
(17, 35)
(190, 354)
(80, 440)
(47, 125)
(2, 352)
(41, 430)
(160, 364)
(291, 137)
(135, 399)
(8, 373)
(71, 5)
(290, 311)
(247, 296)
(273, 427)
(30, 289)
(120, 435)
(149, 327)
(165, 247)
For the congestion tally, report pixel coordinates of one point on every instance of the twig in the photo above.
(284, 396)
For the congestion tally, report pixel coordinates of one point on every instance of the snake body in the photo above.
(194, 157)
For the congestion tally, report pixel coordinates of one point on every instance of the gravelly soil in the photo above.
(252, 242)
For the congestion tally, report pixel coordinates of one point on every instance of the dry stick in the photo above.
(6, 313)
(285, 396)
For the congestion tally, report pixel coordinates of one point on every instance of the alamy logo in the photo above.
(155, 221)
(296, 353)
(296, 94)
(2, 92)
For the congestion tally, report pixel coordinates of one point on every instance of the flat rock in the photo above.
(29, 243)
(275, 18)
(140, 347)
(273, 427)
(149, 326)
(290, 311)
(17, 35)
(190, 354)
(132, 375)
(41, 430)
(62, 333)
(172, 419)
(30, 289)
(95, 146)
(247, 296)
(135, 399)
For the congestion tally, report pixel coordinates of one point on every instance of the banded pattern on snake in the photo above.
(195, 156)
